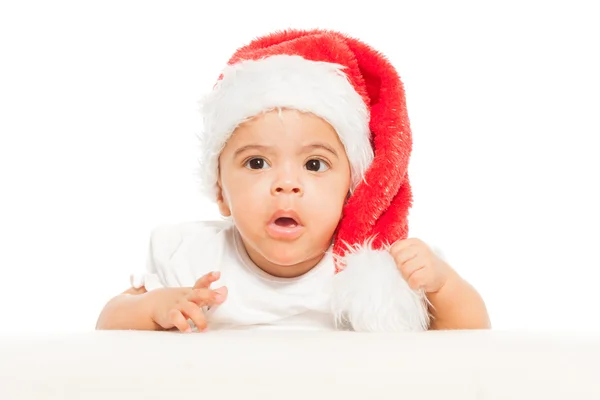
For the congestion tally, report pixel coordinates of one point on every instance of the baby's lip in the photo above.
(286, 214)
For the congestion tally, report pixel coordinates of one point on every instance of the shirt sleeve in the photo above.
(164, 242)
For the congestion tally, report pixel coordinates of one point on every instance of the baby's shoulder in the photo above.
(182, 252)
(167, 238)
(178, 231)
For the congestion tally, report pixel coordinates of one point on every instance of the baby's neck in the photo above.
(283, 271)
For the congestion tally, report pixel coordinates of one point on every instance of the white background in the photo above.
(98, 117)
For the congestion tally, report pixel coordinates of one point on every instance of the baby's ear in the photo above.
(222, 201)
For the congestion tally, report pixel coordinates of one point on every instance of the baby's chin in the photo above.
(291, 262)
(287, 259)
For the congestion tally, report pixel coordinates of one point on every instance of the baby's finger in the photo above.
(179, 321)
(205, 281)
(193, 312)
(220, 294)
(417, 280)
(201, 297)
(404, 255)
(401, 245)
(208, 297)
(410, 267)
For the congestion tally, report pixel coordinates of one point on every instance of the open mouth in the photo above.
(285, 225)
(286, 222)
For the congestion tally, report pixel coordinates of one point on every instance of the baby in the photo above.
(305, 149)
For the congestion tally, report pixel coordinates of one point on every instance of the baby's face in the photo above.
(284, 179)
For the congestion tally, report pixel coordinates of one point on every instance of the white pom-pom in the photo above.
(370, 295)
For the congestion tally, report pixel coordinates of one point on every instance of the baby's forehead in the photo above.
(289, 127)
(283, 115)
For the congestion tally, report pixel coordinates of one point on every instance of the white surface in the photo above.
(295, 365)
(98, 116)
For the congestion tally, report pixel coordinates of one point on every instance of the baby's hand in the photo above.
(419, 266)
(172, 307)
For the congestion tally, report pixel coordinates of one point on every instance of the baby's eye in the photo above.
(317, 165)
(256, 163)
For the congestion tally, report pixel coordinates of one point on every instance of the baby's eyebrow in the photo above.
(323, 146)
(305, 149)
(251, 147)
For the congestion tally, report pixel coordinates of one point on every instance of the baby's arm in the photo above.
(457, 305)
(162, 308)
(129, 310)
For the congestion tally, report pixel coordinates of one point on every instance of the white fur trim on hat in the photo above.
(251, 87)
(370, 295)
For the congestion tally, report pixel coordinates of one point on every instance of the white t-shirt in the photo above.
(181, 253)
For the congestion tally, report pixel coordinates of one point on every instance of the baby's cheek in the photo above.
(327, 212)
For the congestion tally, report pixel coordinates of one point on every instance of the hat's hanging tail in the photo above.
(369, 292)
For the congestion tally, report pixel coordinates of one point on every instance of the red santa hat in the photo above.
(358, 91)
